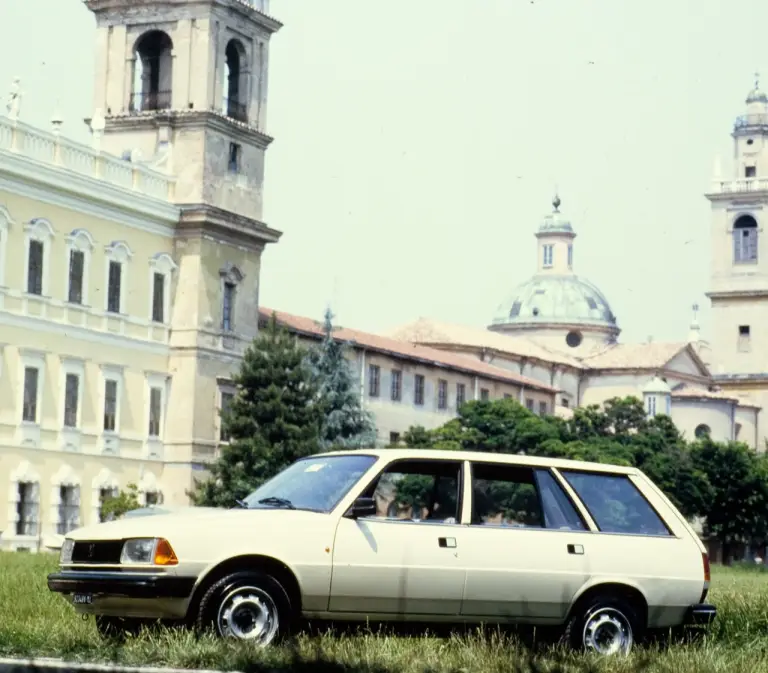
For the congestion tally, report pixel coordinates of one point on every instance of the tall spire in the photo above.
(694, 334)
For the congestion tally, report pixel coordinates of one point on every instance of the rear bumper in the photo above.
(700, 614)
(121, 584)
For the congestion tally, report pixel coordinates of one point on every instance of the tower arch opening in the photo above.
(152, 72)
(745, 240)
(236, 80)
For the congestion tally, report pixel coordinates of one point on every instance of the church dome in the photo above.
(556, 299)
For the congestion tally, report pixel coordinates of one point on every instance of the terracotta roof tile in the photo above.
(687, 392)
(634, 356)
(432, 332)
(406, 350)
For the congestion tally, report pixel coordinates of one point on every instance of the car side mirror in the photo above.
(362, 507)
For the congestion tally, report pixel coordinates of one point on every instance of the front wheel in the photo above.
(605, 625)
(250, 606)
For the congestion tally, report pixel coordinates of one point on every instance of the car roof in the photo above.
(486, 456)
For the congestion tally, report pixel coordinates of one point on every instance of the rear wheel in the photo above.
(605, 625)
(250, 606)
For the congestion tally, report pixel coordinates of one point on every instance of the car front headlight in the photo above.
(148, 551)
(65, 555)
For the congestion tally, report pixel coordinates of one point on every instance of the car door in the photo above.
(525, 548)
(407, 558)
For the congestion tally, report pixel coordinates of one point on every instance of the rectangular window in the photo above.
(520, 497)
(542, 408)
(158, 297)
(374, 380)
(235, 152)
(507, 396)
(616, 504)
(394, 438)
(31, 382)
(155, 411)
(418, 490)
(442, 394)
(744, 338)
(228, 307)
(548, 255)
(76, 271)
(418, 389)
(110, 405)
(106, 494)
(71, 398)
(226, 400)
(564, 402)
(396, 392)
(651, 405)
(35, 268)
(529, 403)
(750, 171)
(113, 289)
(69, 509)
(461, 394)
(26, 509)
(485, 394)
(570, 256)
(152, 498)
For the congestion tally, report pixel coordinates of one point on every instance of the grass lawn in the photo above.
(35, 622)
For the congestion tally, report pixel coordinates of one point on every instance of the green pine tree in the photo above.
(346, 424)
(274, 418)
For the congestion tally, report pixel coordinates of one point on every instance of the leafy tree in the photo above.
(417, 437)
(116, 506)
(738, 502)
(346, 424)
(274, 419)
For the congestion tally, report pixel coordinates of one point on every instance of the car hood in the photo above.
(205, 520)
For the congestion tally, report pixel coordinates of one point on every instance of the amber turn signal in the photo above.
(164, 554)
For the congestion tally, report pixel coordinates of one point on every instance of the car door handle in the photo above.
(449, 542)
(575, 549)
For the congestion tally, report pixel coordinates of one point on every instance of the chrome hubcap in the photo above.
(248, 613)
(607, 631)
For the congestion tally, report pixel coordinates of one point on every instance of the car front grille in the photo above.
(97, 552)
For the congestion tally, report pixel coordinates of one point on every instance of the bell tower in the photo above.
(184, 82)
(182, 86)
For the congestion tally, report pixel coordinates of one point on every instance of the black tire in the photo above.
(253, 588)
(615, 611)
(117, 628)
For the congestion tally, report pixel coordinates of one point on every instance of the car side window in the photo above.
(505, 495)
(559, 511)
(616, 504)
(418, 490)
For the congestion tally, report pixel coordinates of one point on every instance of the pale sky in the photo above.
(418, 143)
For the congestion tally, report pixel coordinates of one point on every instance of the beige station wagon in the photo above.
(405, 534)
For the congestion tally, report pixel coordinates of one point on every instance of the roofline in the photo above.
(513, 379)
(695, 356)
(452, 346)
(486, 456)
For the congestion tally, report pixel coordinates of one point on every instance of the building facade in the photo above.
(129, 269)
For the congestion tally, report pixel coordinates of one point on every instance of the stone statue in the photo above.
(14, 99)
(98, 124)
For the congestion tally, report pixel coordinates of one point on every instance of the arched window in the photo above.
(152, 75)
(745, 240)
(702, 431)
(236, 81)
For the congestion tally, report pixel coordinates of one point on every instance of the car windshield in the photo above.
(315, 484)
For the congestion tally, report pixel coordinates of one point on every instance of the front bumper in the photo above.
(700, 614)
(121, 584)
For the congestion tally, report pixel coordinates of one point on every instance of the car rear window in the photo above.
(615, 503)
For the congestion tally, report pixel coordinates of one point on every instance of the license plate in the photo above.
(82, 599)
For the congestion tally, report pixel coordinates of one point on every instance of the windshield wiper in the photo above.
(242, 503)
(277, 502)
